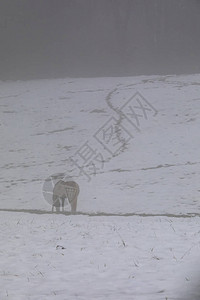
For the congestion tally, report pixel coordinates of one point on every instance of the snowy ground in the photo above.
(59, 257)
(156, 172)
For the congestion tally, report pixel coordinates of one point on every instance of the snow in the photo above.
(80, 257)
(136, 234)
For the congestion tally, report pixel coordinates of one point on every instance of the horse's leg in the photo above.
(74, 204)
(63, 201)
(54, 202)
(58, 206)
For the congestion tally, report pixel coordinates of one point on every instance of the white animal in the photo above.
(65, 190)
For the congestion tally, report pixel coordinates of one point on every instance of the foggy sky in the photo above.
(86, 38)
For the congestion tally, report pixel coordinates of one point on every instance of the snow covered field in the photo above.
(79, 257)
(144, 159)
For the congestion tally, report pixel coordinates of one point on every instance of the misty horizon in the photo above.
(90, 38)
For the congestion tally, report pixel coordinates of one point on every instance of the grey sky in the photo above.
(57, 38)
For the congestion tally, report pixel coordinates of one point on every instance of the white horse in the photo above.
(65, 190)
